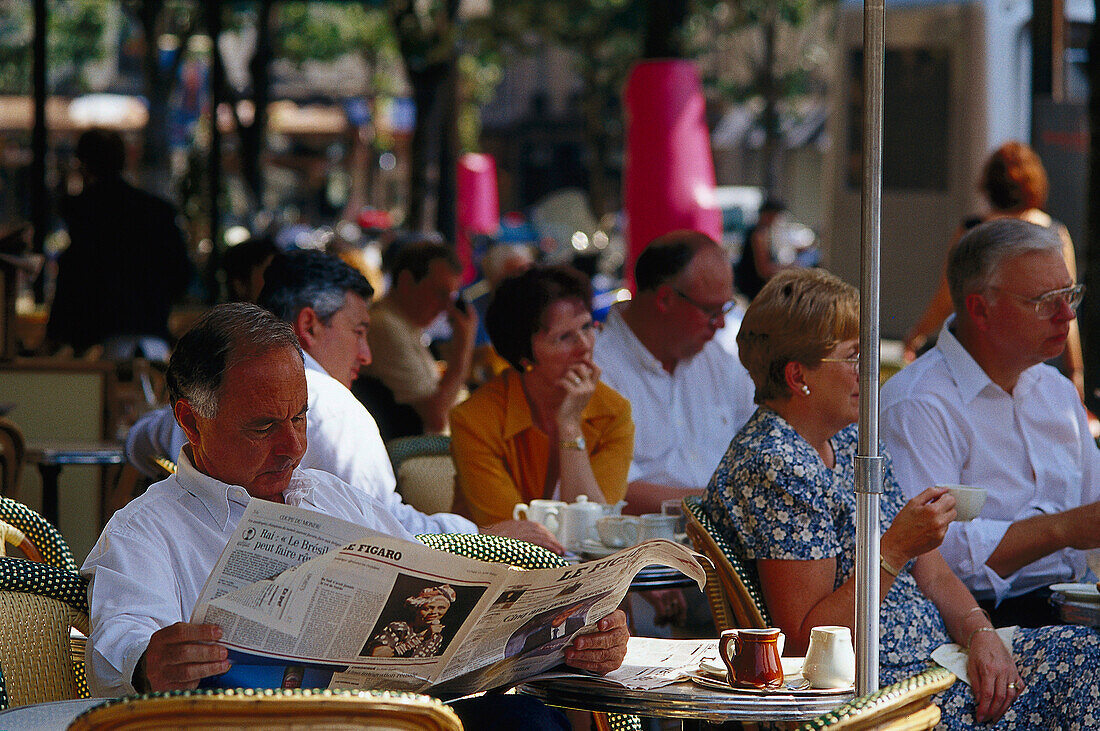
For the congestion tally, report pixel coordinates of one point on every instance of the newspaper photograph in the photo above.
(306, 600)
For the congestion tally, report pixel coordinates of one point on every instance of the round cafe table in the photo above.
(1076, 612)
(691, 703)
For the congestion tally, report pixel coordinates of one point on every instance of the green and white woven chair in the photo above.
(498, 549)
(904, 706)
(39, 603)
(425, 471)
(733, 589)
(272, 709)
(45, 537)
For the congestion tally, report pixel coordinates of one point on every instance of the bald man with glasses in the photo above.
(982, 408)
(688, 395)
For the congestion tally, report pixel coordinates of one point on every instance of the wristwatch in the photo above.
(577, 444)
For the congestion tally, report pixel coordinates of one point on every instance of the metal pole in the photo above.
(868, 461)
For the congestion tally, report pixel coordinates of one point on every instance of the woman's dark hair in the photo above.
(517, 308)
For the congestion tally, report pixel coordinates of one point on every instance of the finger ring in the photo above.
(1012, 685)
(576, 381)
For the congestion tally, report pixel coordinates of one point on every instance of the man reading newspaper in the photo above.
(237, 386)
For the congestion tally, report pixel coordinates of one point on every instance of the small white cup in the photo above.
(618, 531)
(830, 658)
(655, 525)
(968, 500)
(544, 512)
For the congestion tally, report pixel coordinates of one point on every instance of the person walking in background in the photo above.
(126, 263)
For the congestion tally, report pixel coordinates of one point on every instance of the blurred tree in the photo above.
(764, 50)
(427, 33)
(166, 26)
(311, 31)
(605, 38)
(75, 41)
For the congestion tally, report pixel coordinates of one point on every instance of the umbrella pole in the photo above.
(868, 460)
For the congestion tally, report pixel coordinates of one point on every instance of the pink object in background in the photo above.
(669, 172)
(478, 208)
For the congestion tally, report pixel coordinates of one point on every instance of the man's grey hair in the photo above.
(221, 338)
(311, 279)
(977, 259)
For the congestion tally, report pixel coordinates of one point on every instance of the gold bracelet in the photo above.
(970, 639)
(887, 567)
(979, 609)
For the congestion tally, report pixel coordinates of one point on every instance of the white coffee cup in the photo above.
(655, 525)
(617, 531)
(543, 512)
(830, 658)
(968, 500)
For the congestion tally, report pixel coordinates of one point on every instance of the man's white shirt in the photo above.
(683, 420)
(342, 438)
(153, 558)
(945, 422)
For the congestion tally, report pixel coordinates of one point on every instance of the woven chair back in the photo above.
(46, 538)
(425, 471)
(39, 604)
(274, 710)
(733, 589)
(904, 706)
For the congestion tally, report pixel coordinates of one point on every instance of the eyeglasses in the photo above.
(853, 361)
(712, 313)
(586, 333)
(1049, 304)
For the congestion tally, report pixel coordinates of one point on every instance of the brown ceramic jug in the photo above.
(752, 658)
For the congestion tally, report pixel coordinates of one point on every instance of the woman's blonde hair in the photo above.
(799, 316)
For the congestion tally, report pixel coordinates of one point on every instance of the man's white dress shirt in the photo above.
(341, 438)
(945, 422)
(684, 420)
(150, 564)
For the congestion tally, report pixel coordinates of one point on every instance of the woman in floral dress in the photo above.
(784, 492)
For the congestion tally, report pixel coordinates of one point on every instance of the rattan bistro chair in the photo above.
(733, 590)
(425, 471)
(55, 551)
(903, 706)
(39, 603)
(498, 549)
(275, 710)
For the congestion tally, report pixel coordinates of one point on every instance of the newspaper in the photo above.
(653, 662)
(308, 600)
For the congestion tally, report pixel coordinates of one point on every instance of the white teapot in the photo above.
(577, 523)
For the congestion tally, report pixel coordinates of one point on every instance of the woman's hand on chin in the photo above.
(578, 384)
(919, 526)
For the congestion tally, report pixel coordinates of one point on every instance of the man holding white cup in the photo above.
(982, 409)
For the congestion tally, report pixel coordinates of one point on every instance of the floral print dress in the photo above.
(774, 498)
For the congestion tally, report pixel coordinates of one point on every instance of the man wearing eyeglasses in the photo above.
(688, 395)
(982, 408)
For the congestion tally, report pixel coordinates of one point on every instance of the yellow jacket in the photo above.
(501, 456)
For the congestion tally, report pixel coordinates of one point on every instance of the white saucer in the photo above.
(595, 549)
(1078, 592)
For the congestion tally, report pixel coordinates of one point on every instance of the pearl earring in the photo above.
(805, 389)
